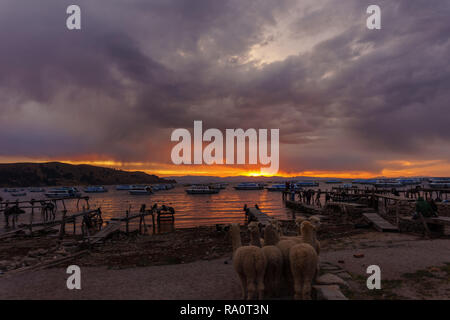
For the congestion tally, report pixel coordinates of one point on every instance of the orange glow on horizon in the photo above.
(390, 169)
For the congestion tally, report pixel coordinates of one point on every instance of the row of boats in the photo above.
(379, 183)
(72, 192)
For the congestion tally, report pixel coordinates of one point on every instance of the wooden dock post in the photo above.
(127, 213)
(62, 229)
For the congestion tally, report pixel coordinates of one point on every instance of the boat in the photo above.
(387, 184)
(202, 190)
(302, 184)
(13, 190)
(277, 187)
(249, 186)
(127, 187)
(36, 189)
(365, 181)
(333, 181)
(409, 181)
(18, 194)
(141, 191)
(439, 183)
(63, 192)
(220, 185)
(95, 189)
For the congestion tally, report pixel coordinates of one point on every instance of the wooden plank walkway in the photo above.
(112, 226)
(379, 223)
(259, 216)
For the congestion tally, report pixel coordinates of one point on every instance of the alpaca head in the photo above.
(271, 236)
(276, 226)
(308, 231)
(315, 221)
(298, 223)
(235, 231)
(253, 227)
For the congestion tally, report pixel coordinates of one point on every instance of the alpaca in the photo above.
(277, 226)
(274, 269)
(274, 258)
(315, 220)
(255, 239)
(250, 264)
(285, 246)
(303, 262)
(271, 236)
(308, 235)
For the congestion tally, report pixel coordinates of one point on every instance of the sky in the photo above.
(348, 101)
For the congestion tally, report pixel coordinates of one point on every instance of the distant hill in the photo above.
(58, 174)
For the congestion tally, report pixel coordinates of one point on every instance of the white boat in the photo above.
(63, 192)
(202, 190)
(277, 187)
(141, 191)
(302, 184)
(409, 181)
(17, 190)
(387, 184)
(439, 183)
(18, 194)
(249, 186)
(36, 189)
(95, 189)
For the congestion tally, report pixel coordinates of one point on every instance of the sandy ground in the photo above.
(399, 256)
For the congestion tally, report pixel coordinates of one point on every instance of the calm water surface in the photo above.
(190, 210)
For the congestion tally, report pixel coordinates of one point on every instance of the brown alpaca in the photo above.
(249, 263)
(303, 262)
(271, 236)
(308, 235)
(255, 238)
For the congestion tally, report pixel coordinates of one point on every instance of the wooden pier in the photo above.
(379, 223)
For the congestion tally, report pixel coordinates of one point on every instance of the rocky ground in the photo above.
(195, 264)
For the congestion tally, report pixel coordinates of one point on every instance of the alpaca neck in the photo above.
(255, 238)
(308, 237)
(271, 237)
(236, 237)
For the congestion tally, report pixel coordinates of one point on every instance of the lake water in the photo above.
(190, 210)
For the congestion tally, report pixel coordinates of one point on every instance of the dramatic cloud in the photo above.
(344, 97)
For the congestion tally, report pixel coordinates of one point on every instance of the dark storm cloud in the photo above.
(138, 69)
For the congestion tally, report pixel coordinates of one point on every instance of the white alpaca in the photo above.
(303, 262)
(250, 264)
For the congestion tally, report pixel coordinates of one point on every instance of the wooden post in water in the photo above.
(31, 217)
(127, 213)
(62, 230)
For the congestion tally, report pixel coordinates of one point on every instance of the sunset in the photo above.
(224, 151)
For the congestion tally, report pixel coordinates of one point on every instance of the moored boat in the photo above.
(202, 190)
(437, 183)
(333, 181)
(18, 194)
(141, 191)
(302, 184)
(95, 189)
(36, 189)
(277, 187)
(63, 192)
(249, 186)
